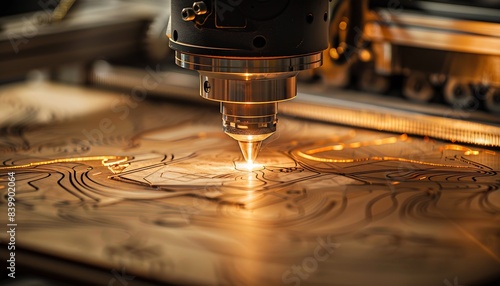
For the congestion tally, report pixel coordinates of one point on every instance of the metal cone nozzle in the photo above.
(250, 145)
(250, 150)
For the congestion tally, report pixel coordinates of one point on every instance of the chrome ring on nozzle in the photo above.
(245, 119)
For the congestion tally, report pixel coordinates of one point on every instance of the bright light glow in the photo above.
(343, 25)
(334, 54)
(249, 166)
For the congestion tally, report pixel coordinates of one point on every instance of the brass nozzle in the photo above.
(249, 124)
(250, 150)
(250, 144)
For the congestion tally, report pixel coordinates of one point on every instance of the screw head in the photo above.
(200, 8)
(188, 14)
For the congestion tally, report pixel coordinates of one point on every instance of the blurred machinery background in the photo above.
(436, 51)
(435, 54)
(402, 58)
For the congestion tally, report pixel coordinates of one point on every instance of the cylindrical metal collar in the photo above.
(251, 91)
(248, 64)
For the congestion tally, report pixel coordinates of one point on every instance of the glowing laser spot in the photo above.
(250, 166)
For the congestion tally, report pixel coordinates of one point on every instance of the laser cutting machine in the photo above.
(249, 53)
(389, 159)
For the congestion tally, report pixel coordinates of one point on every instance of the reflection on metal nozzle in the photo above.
(250, 144)
(250, 150)
(249, 124)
